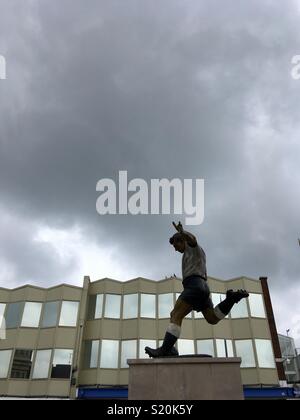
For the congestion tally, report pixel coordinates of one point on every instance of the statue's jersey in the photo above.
(194, 262)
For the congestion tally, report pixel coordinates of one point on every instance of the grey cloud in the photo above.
(26, 259)
(175, 91)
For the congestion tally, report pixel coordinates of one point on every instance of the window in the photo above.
(22, 364)
(31, 315)
(99, 306)
(240, 310)
(91, 354)
(256, 305)
(265, 354)
(2, 309)
(109, 354)
(244, 350)
(112, 306)
(185, 346)
(128, 351)
(198, 314)
(221, 350)
(50, 314)
(188, 315)
(13, 315)
(69, 313)
(2, 322)
(218, 298)
(224, 348)
(62, 364)
(130, 306)
(42, 364)
(206, 347)
(165, 305)
(229, 348)
(95, 306)
(148, 306)
(145, 343)
(5, 356)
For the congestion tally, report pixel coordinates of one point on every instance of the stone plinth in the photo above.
(185, 378)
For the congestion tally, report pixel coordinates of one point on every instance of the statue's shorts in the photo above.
(196, 293)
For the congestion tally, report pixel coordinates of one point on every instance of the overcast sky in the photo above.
(180, 89)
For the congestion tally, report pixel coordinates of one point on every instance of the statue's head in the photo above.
(178, 242)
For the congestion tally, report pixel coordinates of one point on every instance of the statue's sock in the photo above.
(171, 336)
(232, 297)
(223, 309)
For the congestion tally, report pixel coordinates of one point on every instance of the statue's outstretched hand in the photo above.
(178, 227)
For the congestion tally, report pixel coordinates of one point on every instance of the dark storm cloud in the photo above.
(24, 259)
(186, 89)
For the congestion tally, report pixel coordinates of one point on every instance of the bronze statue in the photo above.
(196, 293)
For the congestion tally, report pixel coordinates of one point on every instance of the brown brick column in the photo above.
(273, 329)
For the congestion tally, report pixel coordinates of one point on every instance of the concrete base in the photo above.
(185, 378)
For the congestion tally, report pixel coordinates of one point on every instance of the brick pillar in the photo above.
(273, 329)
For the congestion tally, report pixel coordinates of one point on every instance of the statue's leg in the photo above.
(223, 309)
(181, 309)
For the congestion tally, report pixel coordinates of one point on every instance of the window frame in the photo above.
(263, 306)
(31, 368)
(52, 365)
(123, 306)
(60, 313)
(11, 350)
(40, 316)
(49, 367)
(22, 303)
(158, 305)
(118, 355)
(104, 306)
(155, 317)
(57, 315)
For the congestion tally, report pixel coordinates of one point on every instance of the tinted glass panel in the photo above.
(256, 305)
(185, 346)
(221, 351)
(265, 354)
(112, 306)
(206, 347)
(31, 315)
(229, 348)
(50, 314)
(109, 354)
(13, 315)
(69, 313)
(142, 344)
(2, 309)
(198, 314)
(240, 310)
(130, 306)
(62, 362)
(91, 354)
(165, 305)
(5, 356)
(99, 306)
(128, 351)
(42, 364)
(244, 349)
(148, 309)
(2, 322)
(22, 364)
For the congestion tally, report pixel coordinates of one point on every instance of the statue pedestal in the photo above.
(185, 378)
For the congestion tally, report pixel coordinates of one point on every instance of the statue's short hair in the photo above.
(176, 237)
